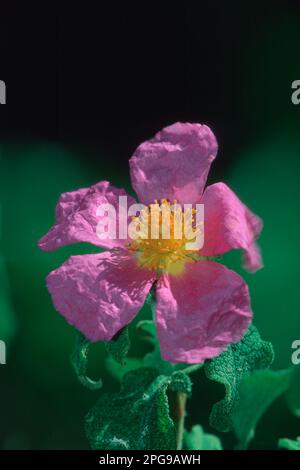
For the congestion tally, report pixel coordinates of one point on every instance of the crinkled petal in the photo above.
(201, 312)
(229, 224)
(77, 219)
(174, 164)
(99, 293)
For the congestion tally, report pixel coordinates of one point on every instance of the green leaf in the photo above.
(79, 359)
(118, 370)
(289, 444)
(230, 367)
(180, 382)
(293, 394)
(256, 393)
(135, 418)
(197, 439)
(119, 346)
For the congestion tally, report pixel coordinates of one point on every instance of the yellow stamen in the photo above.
(167, 252)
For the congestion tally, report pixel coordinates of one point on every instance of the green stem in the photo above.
(192, 368)
(179, 418)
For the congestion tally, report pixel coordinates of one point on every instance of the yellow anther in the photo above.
(164, 254)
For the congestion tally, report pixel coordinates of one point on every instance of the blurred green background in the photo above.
(42, 404)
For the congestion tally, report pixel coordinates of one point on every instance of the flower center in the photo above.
(161, 234)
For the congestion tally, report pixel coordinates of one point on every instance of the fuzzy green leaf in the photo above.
(197, 439)
(256, 393)
(230, 367)
(293, 394)
(119, 346)
(289, 444)
(135, 418)
(79, 359)
(180, 382)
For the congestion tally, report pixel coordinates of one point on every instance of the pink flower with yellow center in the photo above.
(201, 305)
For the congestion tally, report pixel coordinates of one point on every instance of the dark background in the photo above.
(86, 83)
(112, 73)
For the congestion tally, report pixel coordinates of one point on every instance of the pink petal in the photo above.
(77, 219)
(99, 294)
(229, 224)
(201, 312)
(174, 164)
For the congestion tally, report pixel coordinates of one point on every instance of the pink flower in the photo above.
(201, 307)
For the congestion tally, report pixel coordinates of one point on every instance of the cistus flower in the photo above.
(201, 305)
